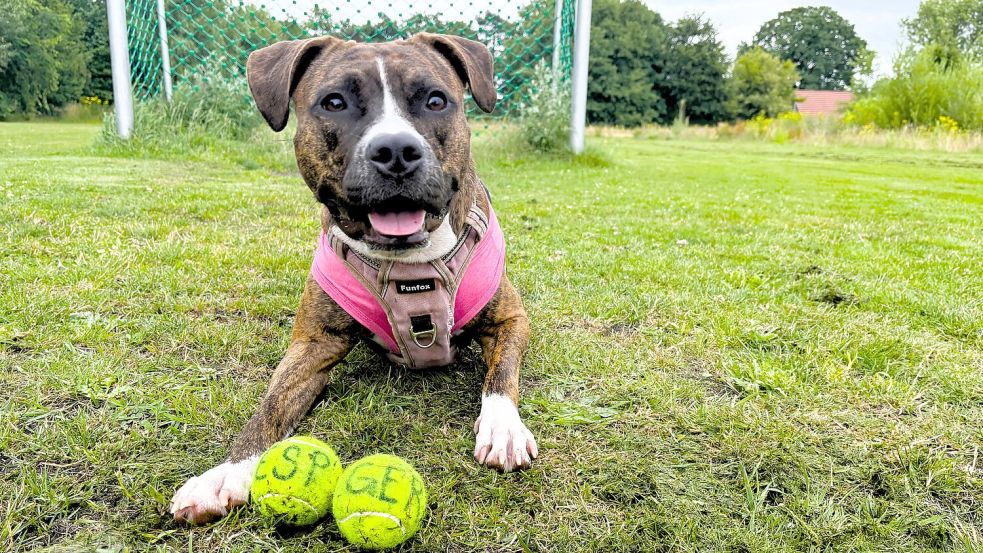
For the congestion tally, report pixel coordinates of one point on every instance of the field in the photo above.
(737, 346)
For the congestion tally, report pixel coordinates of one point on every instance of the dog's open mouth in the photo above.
(395, 223)
(397, 228)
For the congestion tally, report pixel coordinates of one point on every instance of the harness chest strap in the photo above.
(414, 309)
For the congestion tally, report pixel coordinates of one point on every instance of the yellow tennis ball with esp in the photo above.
(295, 479)
(379, 502)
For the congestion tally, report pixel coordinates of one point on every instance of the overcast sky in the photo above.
(878, 22)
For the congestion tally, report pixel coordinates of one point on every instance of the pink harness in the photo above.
(413, 309)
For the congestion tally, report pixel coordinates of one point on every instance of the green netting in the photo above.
(210, 39)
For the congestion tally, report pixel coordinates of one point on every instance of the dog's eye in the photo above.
(333, 102)
(437, 101)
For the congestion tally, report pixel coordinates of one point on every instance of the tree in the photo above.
(385, 28)
(42, 58)
(824, 47)
(954, 25)
(488, 28)
(628, 48)
(493, 31)
(761, 83)
(212, 42)
(693, 73)
(94, 27)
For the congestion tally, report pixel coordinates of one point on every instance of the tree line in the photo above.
(52, 53)
(222, 47)
(643, 69)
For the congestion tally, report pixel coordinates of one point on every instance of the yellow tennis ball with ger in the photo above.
(295, 479)
(379, 502)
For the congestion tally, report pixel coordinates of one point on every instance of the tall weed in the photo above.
(545, 122)
(207, 119)
(926, 91)
(813, 131)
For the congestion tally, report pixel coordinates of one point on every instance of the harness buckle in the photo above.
(421, 326)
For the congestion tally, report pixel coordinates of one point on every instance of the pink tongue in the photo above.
(402, 223)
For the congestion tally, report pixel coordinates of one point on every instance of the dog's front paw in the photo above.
(502, 441)
(210, 496)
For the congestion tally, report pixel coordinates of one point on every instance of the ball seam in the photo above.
(295, 498)
(389, 516)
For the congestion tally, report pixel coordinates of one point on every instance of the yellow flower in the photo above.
(948, 124)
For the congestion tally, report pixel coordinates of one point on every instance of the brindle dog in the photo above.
(380, 128)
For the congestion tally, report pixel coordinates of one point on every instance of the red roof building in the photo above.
(821, 102)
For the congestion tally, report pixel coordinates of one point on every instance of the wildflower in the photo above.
(948, 124)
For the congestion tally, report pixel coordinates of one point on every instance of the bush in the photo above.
(927, 90)
(545, 122)
(761, 84)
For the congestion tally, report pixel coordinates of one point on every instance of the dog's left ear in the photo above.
(273, 73)
(471, 60)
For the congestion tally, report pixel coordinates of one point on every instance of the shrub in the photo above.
(761, 83)
(545, 122)
(925, 89)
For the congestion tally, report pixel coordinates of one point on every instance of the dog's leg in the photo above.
(502, 440)
(321, 338)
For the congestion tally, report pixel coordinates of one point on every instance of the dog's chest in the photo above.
(414, 310)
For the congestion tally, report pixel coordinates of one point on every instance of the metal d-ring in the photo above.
(417, 335)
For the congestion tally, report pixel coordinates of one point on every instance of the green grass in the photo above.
(736, 347)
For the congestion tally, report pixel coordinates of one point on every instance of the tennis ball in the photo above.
(379, 502)
(294, 480)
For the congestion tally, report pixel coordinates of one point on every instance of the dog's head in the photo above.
(382, 138)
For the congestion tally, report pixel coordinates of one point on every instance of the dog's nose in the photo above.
(396, 154)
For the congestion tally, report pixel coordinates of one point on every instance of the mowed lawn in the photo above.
(736, 347)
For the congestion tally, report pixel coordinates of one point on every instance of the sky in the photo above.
(878, 22)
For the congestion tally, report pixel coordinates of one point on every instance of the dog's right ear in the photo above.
(273, 73)
(471, 60)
